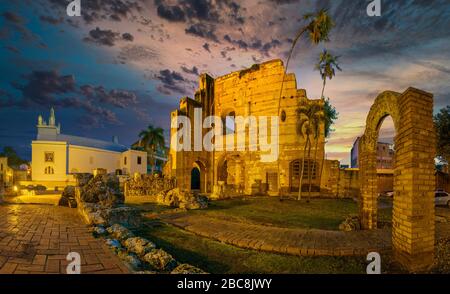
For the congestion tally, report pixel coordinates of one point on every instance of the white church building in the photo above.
(56, 157)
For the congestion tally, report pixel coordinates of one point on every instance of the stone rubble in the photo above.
(351, 223)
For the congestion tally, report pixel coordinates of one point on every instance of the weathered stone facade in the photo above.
(250, 92)
(413, 231)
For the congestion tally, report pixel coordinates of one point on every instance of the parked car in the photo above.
(387, 194)
(441, 198)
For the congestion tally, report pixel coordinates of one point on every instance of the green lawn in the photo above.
(216, 257)
(324, 214)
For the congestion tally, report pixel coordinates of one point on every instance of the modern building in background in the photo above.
(385, 155)
(160, 157)
(56, 156)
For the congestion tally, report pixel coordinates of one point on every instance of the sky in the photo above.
(124, 64)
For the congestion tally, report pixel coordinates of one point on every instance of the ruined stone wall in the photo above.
(345, 183)
(254, 91)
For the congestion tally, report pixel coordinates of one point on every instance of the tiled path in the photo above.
(37, 239)
(302, 242)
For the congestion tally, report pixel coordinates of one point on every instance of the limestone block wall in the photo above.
(251, 92)
(413, 231)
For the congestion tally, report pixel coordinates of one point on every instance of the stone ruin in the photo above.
(100, 200)
(163, 190)
(146, 185)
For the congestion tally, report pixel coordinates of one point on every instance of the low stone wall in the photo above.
(344, 183)
(145, 185)
(100, 203)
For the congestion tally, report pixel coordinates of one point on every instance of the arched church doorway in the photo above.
(195, 179)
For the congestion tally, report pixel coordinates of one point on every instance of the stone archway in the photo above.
(198, 177)
(413, 227)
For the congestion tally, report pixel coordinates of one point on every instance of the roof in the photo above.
(82, 141)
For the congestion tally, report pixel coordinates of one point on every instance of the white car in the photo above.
(441, 198)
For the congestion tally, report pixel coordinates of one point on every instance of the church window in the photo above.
(125, 160)
(283, 116)
(49, 157)
(139, 160)
(49, 170)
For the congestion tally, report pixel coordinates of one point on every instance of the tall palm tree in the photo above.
(309, 117)
(327, 67)
(153, 139)
(330, 115)
(318, 27)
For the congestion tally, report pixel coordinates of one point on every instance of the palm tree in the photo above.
(326, 66)
(318, 27)
(153, 139)
(330, 115)
(309, 117)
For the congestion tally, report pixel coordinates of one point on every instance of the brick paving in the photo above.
(301, 242)
(37, 238)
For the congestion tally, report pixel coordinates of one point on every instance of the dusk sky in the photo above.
(124, 64)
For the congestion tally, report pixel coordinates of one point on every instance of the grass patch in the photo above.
(324, 214)
(219, 258)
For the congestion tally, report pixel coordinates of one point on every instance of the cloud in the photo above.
(50, 19)
(127, 37)
(49, 88)
(103, 37)
(170, 13)
(12, 17)
(206, 47)
(193, 71)
(117, 98)
(172, 82)
(203, 31)
(107, 37)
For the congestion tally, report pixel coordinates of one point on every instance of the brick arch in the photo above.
(414, 184)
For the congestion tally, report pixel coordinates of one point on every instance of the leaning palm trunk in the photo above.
(313, 168)
(309, 170)
(301, 171)
(323, 87)
(281, 93)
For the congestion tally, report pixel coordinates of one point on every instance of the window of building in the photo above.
(310, 167)
(49, 170)
(91, 160)
(49, 157)
(125, 160)
(283, 116)
(139, 160)
(1, 167)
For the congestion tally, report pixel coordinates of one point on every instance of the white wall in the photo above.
(38, 164)
(132, 165)
(86, 159)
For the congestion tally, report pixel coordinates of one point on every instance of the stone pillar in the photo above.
(413, 233)
(368, 177)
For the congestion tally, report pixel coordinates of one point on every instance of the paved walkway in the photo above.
(37, 239)
(302, 242)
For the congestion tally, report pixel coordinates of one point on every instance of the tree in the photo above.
(319, 26)
(13, 158)
(442, 126)
(330, 115)
(309, 117)
(327, 67)
(152, 139)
